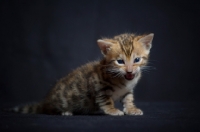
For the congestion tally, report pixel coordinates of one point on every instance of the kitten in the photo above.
(96, 85)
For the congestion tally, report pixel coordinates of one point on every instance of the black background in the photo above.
(42, 41)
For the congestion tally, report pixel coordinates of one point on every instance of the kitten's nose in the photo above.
(129, 69)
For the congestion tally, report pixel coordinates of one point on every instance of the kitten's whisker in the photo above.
(148, 67)
(114, 72)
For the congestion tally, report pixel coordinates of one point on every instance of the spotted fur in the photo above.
(96, 85)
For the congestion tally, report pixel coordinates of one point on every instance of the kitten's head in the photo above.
(126, 54)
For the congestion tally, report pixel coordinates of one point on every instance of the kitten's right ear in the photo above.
(104, 46)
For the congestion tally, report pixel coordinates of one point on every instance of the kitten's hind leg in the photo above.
(66, 113)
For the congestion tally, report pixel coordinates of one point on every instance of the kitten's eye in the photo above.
(136, 60)
(120, 61)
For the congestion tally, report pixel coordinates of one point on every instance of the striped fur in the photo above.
(96, 85)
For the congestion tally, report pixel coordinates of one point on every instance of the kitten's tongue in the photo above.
(129, 76)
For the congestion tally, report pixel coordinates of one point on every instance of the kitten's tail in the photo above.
(27, 109)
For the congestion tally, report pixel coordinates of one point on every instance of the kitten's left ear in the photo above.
(104, 46)
(147, 40)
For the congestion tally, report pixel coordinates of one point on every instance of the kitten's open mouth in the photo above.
(129, 76)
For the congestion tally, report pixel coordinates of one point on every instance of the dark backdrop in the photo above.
(42, 41)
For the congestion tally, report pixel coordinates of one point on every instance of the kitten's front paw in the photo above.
(114, 112)
(133, 111)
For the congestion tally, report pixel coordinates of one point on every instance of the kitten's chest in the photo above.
(120, 91)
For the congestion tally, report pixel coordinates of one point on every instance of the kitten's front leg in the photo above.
(107, 105)
(129, 107)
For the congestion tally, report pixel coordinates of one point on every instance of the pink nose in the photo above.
(129, 69)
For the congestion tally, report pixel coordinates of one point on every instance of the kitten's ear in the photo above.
(147, 40)
(104, 46)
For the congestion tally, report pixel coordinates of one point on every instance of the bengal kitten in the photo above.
(96, 85)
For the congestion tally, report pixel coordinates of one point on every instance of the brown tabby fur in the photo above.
(96, 85)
